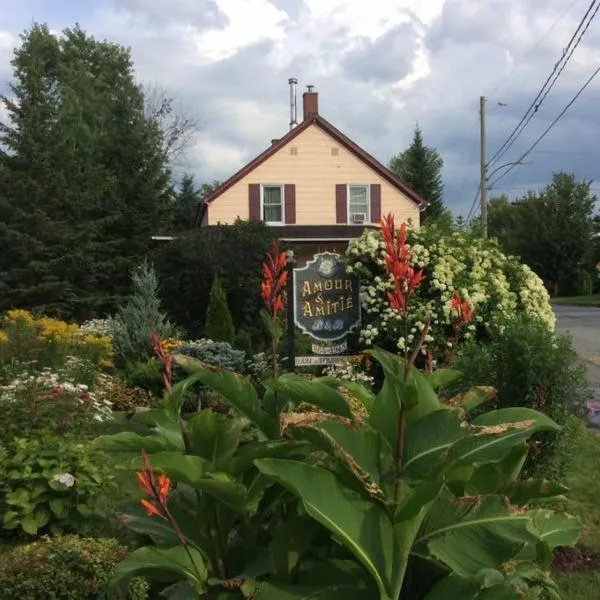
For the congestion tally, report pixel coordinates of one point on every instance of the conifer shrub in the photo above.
(219, 324)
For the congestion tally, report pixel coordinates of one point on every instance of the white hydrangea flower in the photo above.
(65, 479)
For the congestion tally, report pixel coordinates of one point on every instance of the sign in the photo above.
(326, 298)
(329, 350)
(316, 361)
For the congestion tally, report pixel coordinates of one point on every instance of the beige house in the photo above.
(315, 185)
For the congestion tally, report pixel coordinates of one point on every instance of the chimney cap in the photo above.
(292, 80)
(310, 89)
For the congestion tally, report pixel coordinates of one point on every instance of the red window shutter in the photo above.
(254, 202)
(341, 203)
(375, 202)
(289, 192)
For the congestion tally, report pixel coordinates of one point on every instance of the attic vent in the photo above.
(294, 151)
(335, 151)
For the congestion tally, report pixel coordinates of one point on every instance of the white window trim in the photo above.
(365, 185)
(262, 211)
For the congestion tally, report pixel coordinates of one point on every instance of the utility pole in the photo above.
(483, 182)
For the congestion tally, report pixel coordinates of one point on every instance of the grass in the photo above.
(584, 481)
(591, 300)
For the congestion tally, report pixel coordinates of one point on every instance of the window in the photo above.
(272, 204)
(358, 203)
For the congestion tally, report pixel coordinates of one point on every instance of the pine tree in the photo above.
(219, 324)
(140, 315)
(420, 167)
(85, 177)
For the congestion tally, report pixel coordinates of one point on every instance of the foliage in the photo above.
(51, 483)
(498, 287)
(135, 320)
(84, 173)
(219, 324)
(144, 374)
(421, 168)
(48, 401)
(218, 354)
(341, 500)
(115, 392)
(188, 265)
(534, 227)
(66, 567)
(50, 343)
(531, 367)
(242, 341)
(353, 370)
(188, 200)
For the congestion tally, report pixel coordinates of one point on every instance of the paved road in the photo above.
(584, 325)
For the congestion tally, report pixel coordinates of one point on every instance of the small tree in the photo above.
(421, 168)
(138, 317)
(219, 324)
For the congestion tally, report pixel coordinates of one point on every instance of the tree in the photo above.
(551, 230)
(138, 317)
(84, 177)
(420, 167)
(219, 324)
(187, 201)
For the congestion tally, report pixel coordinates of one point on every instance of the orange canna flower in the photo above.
(463, 309)
(165, 358)
(274, 274)
(151, 510)
(157, 490)
(397, 262)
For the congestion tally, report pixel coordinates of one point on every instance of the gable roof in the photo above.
(342, 139)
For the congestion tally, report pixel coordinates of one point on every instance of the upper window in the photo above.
(272, 204)
(358, 204)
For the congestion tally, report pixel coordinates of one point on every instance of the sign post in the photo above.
(326, 307)
(291, 328)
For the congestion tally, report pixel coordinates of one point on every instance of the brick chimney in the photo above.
(310, 102)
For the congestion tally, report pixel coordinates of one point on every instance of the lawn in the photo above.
(584, 502)
(591, 300)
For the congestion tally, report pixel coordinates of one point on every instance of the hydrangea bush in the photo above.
(497, 287)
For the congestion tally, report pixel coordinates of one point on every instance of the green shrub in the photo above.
(121, 397)
(144, 374)
(242, 341)
(51, 484)
(134, 322)
(217, 354)
(64, 568)
(219, 323)
(532, 367)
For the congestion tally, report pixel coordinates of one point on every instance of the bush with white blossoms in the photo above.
(351, 370)
(497, 286)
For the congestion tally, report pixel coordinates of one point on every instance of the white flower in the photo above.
(65, 478)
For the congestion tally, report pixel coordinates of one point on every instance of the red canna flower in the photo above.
(463, 309)
(166, 360)
(157, 489)
(274, 273)
(397, 263)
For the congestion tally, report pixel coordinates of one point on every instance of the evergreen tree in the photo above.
(420, 167)
(84, 175)
(219, 324)
(140, 315)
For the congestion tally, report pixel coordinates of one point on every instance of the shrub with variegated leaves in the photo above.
(498, 287)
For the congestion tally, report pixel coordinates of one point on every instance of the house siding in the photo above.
(315, 170)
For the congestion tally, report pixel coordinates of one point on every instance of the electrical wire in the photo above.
(549, 83)
(547, 130)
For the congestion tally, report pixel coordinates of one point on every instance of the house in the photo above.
(316, 186)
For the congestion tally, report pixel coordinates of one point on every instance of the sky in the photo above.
(381, 67)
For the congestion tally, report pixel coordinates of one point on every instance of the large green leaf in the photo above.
(474, 533)
(173, 400)
(332, 591)
(555, 528)
(312, 391)
(248, 453)
(182, 468)
(525, 491)
(167, 564)
(237, 390)
(361, 393)
(515, 415)
(427, 440)
(363, 527)
(472, 398)
(129, 442)
(214, 437)
(441, 378)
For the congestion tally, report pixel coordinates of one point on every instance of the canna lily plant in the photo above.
(346, 495)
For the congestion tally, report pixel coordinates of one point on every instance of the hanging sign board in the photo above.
(326, 298)
(329, 349)
(315, 361)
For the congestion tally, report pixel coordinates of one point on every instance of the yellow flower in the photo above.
(18, 314)
(3, 337)
(170, 344)
(53, 330)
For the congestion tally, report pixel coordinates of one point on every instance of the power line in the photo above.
(556, 120)
(549, 83)
(474, 206)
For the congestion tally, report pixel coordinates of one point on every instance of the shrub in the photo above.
(64, 568)
(218, 354)
(119, 395)
(219, 324)
(532, 367)
(242, 341)
(51, 484)
(146, 374)
(135, 320)
(48, 401)
(496, 286)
